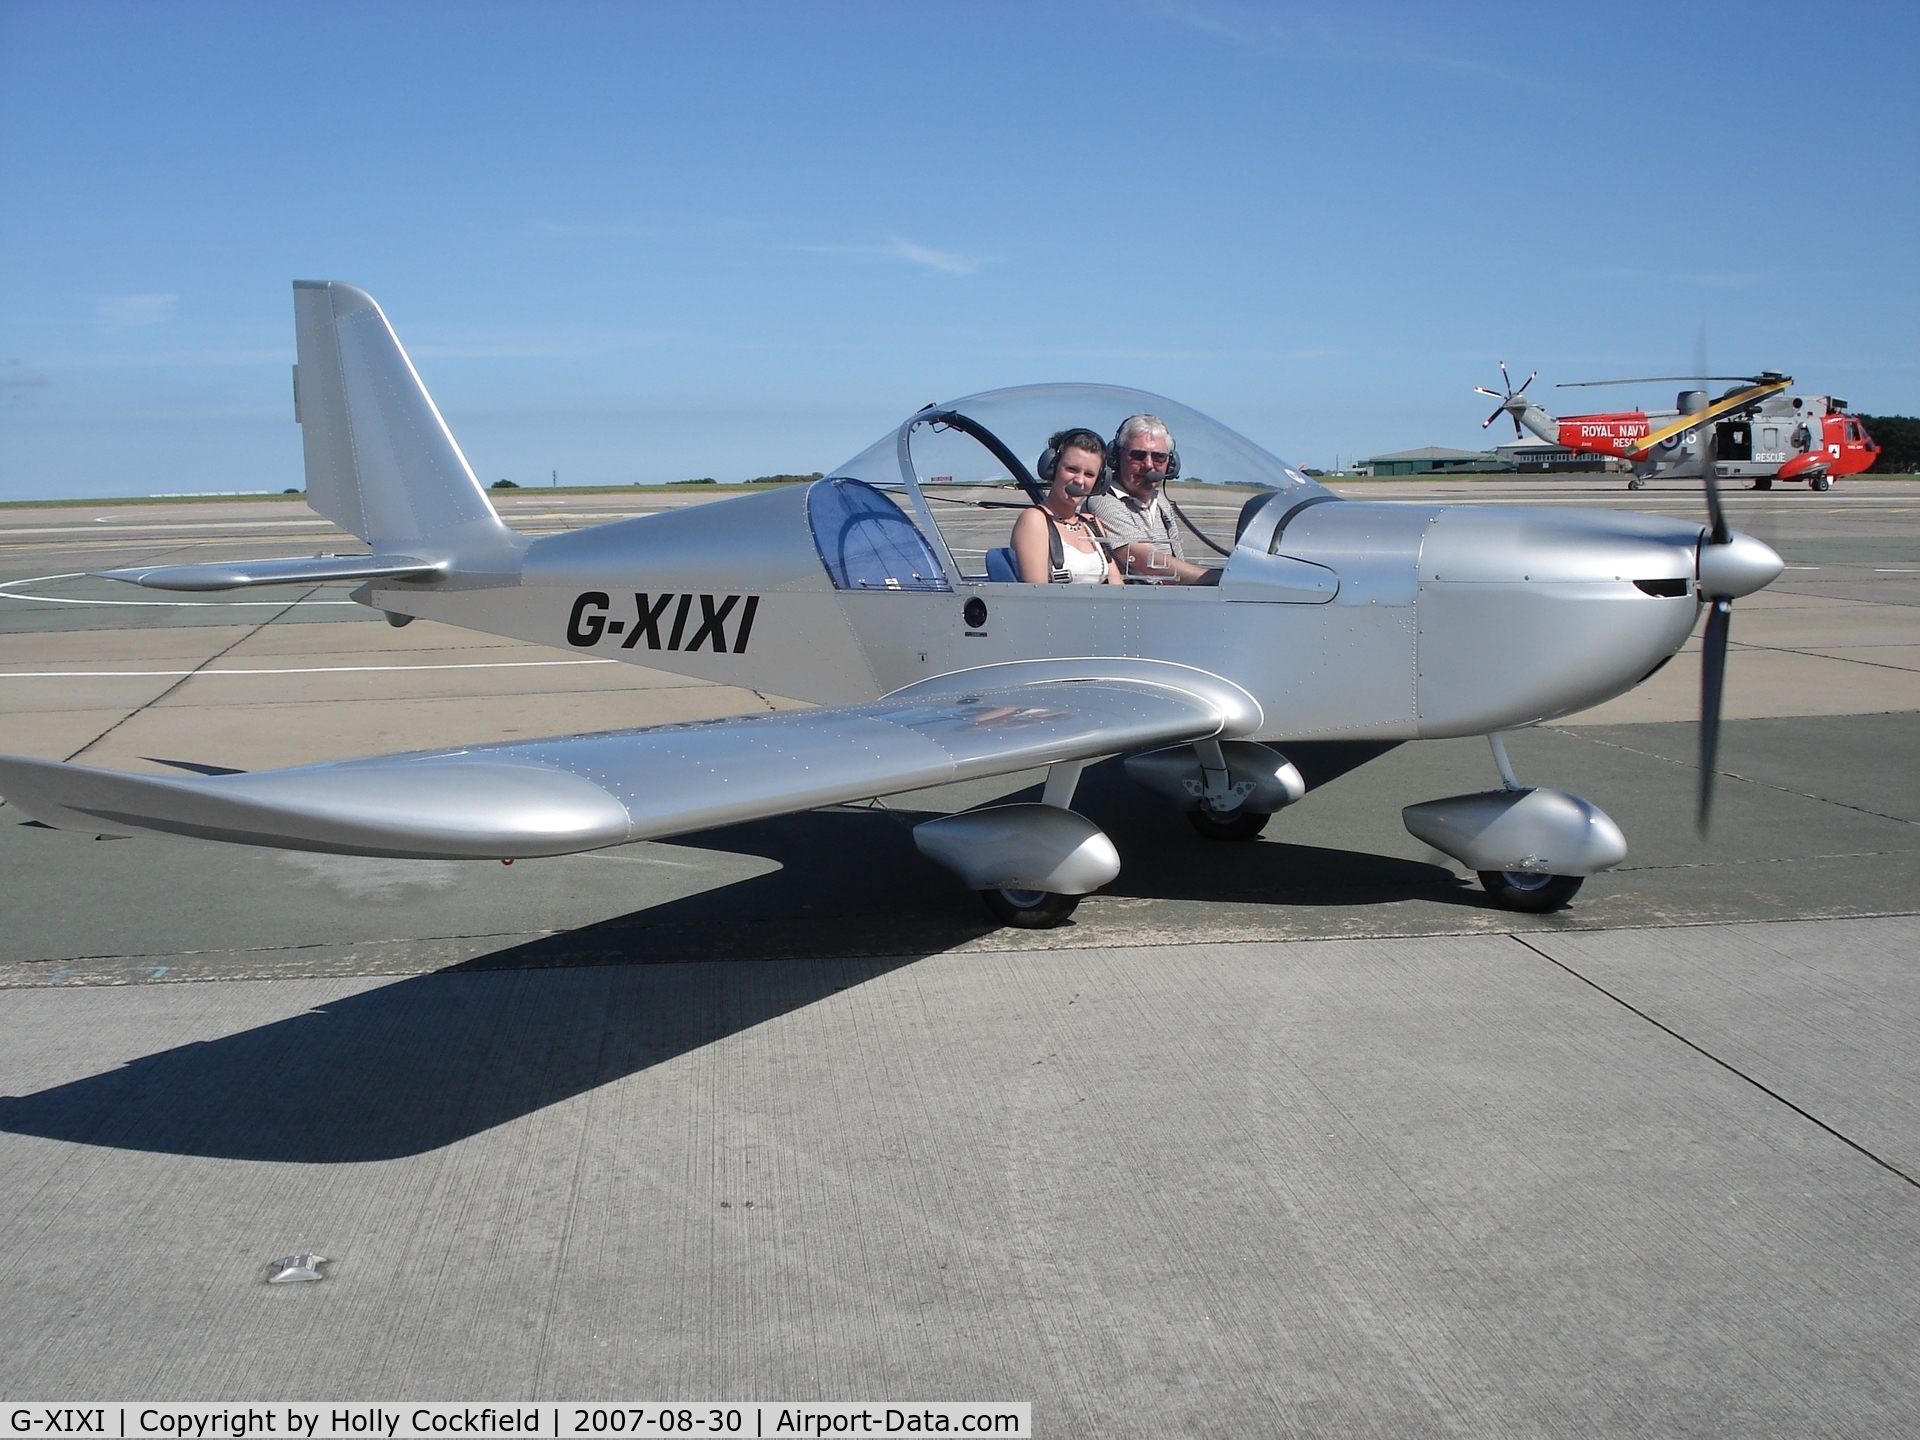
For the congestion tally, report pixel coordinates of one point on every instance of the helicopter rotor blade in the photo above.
(1657, 380)
(1482, 390)
(1713, 674)
(1493, 417)
(1526, 382)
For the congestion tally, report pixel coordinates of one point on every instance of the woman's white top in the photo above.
(1080, 567)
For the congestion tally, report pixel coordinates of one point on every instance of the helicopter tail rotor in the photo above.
(1511, 405)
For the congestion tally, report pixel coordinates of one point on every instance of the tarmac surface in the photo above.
(1293, 1137)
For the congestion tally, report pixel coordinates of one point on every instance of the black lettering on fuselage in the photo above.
(649, 622)
(582, 628)
(712, 622)
(679, 622)
(589, 622)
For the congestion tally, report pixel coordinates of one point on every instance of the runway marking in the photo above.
(1735, 1070)
(7, 593)
(182, 680)
(291, 670)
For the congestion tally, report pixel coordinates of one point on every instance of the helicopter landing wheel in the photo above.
(1534, 894)
(1821, 482)
(1636, 484)
(1240, 825)
(1030, 909)
(1765, 482)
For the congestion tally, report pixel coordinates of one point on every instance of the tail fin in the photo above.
(380, 460)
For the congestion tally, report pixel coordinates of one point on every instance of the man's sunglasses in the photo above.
(1159, 457)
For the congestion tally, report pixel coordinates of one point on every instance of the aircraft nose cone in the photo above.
(1739, 567)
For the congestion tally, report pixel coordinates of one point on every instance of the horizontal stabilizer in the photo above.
(311, 570)
(585, 792)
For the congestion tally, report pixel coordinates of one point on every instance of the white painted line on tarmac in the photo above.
(291, 670)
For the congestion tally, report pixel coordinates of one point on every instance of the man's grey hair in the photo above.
(1140, 425)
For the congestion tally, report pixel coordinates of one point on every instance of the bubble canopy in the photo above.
(1021, 419)
(959, 454)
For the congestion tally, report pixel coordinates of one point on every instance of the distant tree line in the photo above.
(1899, 437)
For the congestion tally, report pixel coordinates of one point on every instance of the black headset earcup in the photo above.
(1173, 465)
(1049, 462)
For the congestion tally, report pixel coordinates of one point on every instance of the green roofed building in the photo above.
(1437, 460)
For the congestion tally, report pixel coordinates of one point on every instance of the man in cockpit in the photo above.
(1138, 521)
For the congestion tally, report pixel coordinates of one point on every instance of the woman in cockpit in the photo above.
(1055, 543)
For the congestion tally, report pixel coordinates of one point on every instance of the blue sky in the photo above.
(645, 242)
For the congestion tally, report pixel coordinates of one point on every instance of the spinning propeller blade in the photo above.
(1713, 649)
(1506, 398)
(1713, 675)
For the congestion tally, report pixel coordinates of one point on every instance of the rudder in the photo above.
(380, 460)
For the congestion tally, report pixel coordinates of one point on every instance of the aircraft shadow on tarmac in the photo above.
(424, 1062)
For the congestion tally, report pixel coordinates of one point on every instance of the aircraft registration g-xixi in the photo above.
(1332, 619)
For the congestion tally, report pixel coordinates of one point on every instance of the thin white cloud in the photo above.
(897, 248)
(25, 379)
(1709, 280)
(128, 312)
(943, 260)
(1308, 35)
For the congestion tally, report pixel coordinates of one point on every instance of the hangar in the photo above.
(1436, 460)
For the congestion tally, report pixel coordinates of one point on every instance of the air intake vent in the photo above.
(1669, 589)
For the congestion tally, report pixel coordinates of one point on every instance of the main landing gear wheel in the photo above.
(1535, 894)
(1636, 484)
(1821, 482)
(1765, 482)
(1030, 909)
(1239, 825)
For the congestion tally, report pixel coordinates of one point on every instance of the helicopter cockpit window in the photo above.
(965, 469)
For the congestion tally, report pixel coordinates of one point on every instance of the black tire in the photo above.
(1636, 484)
(1030, 909)
(1765, 482)
(1821, 482)
(1534, 894)
(1240, 825)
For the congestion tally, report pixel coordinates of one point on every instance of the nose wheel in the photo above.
(1030, 909)
(1533, 894)
(1240, 825)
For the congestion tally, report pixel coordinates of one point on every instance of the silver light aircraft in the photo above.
(1332, 620)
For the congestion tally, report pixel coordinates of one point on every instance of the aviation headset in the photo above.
(1077, 438)
(1113, 450)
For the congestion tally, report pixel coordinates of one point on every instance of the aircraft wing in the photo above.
(585, 792)
(305, 570)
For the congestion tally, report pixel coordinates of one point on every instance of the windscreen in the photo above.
(957, 472)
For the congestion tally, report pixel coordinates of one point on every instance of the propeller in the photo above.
(1729, 566)
(1713, 648)
(1506, 400)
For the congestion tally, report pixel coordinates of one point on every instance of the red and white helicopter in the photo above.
(1755, 431)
